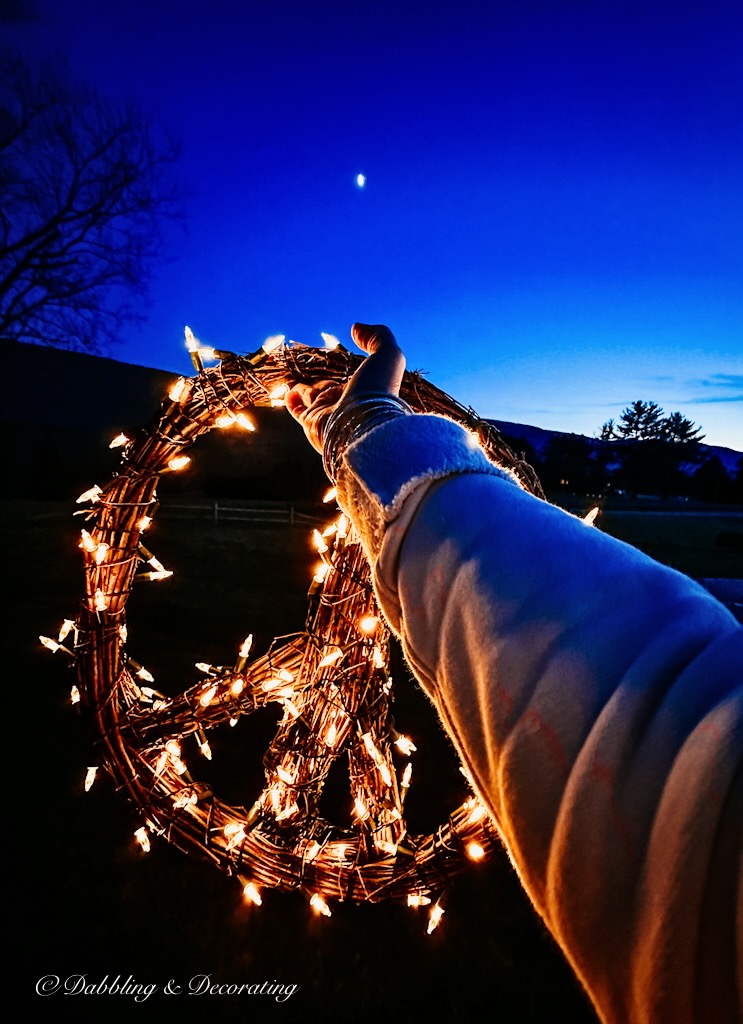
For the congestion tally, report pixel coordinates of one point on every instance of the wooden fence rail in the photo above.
(273, 514)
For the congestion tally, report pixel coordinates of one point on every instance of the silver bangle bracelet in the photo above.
(354, 418)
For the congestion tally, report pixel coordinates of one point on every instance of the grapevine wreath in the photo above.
(330, 681)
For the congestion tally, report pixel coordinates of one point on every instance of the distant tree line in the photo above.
(644, 452)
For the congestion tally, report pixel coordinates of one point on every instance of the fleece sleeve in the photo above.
(596, 700)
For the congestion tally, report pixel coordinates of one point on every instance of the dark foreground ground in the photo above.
(83, 901)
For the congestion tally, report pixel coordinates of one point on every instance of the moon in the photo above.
(360, 180)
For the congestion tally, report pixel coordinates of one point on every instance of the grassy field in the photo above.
(700, 540)
(110, 909)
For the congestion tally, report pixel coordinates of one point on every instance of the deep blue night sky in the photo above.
(552, 218)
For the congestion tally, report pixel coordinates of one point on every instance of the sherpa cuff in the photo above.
(379, 472)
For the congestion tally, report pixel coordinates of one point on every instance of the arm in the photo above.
(595, 698)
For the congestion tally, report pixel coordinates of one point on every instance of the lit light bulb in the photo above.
(90, 778)
(272, 343)
(179, 391)
(234, 833)
(385, 846)
(193, 349)
(371, 747)
(291, 708)
(244, 421)
(86, 542)
(331, 342)
(74, 695)
(285, 776)
(360, 809)
(178, 462)
(475, 851)
(237, 687)
(342, 526)
(331, 735)
(320, 544)
(331, 658)
(93, 494)
(186, 798)
(437, 912)
(329, 495)
(67, 625)
(205, 749)
(590, 517)
(477, 813)
(162, 574)
(312, 851)
(243, 653)
(278, 395)
(225, 419)
(119, 441)
(321, 573)
(378, 657)
(368, 623)
(50, 644)
(100, 553)
(206, 698)
(319, 905)
(143, 523)
(405, 745)
(288, 812)
(100, 601)
(143, 839)
(407, 776)
(252, 894)
(417, 899)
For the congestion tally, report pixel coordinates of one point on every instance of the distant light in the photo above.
(360, 180)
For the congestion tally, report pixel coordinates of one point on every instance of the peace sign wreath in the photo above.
(331, 680)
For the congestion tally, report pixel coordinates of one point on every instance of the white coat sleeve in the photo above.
(595, 698)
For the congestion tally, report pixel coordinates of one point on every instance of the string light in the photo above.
(331, 680)
(143, 839)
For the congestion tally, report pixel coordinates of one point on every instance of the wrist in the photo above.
(354, 418)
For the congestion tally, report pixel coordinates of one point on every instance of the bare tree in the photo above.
(86, 187)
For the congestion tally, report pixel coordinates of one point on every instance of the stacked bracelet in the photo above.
(352, 419)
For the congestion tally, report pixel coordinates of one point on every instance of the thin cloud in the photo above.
(718, 380)
(712, 399)
(722, 383)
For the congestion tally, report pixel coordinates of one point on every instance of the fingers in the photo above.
(311, 405)
(380, 373)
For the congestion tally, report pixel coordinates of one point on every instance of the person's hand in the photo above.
(381, 373)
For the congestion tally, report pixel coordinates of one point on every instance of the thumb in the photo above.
(383, 369)
(371, 337)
